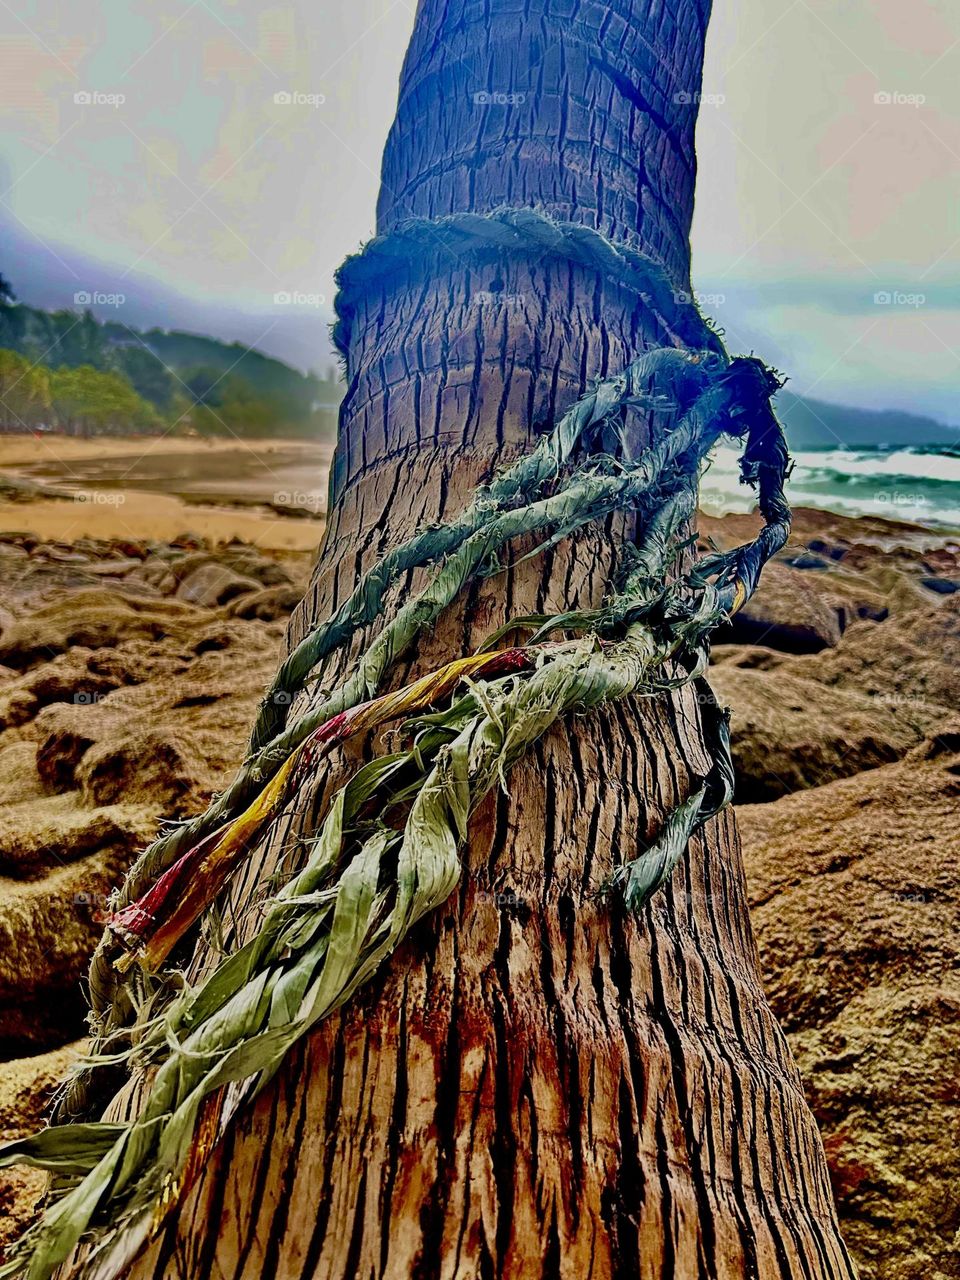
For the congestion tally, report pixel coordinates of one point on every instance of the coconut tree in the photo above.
(535, 1081)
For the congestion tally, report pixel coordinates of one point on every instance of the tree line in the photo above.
(65, 371)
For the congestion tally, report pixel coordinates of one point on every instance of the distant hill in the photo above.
(180, 381)
(190, 350)
(815, 424)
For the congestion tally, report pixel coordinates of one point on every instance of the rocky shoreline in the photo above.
(129, 672)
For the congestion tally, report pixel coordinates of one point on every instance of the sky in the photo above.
(197, 163)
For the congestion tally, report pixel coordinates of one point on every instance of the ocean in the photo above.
(919, 483)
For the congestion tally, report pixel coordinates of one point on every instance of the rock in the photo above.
(942, 586)
(942, 562)
(267, 605)
(856, 911)
(59, 555)
(125, 547)
(156, 573)
(148, 767)
(38, 835)
(909, 663)
(66, 679)
(60, 753)
(27, 1087)
(195, 710)
(26, 540)
(267, 572)
(807, 562)
(112, 568)
(833, 550)
(134, 708)
(182, 565)
(48, 929)
(784, 614)
(189, 541)
(747, 657)
(212, 585)
(19, 780)
(790, 733)
(94, 619)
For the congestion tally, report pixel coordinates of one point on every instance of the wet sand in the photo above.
(269, 493)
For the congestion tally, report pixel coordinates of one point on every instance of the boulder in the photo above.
(156, 573)
(39, 834)
(789, 733)
(856, 910)
(154, 766)
(27, 1087)
(267, 605)
(49, 928)
(251, 563)
(785, 613)
(15, 538)
(212, 585)
(832, 550)
(908, 664)
(94, 619)
(807, 561)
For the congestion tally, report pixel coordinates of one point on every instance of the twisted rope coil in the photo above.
(388, 849)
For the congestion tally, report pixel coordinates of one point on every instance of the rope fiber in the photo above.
(388, 850)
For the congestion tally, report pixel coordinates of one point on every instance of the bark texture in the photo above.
(535, 1085)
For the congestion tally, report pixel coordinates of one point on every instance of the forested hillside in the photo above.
(67, 371)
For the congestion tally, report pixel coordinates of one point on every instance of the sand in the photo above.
(159, 488)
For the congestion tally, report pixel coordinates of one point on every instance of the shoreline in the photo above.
(272, 493)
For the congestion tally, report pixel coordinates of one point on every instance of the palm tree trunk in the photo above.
(535, 1085)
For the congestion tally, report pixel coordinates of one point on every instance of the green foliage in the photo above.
(190, 382)
(24, 392)
(150, 376)
(89, 402)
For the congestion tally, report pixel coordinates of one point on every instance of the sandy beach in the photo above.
(159, 488)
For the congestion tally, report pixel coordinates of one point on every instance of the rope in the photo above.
(525, 232)
(387, 851)
(272, 742)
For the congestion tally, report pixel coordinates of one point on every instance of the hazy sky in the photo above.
(183, 185)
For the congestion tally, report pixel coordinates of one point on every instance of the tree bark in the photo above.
(536, 1084)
